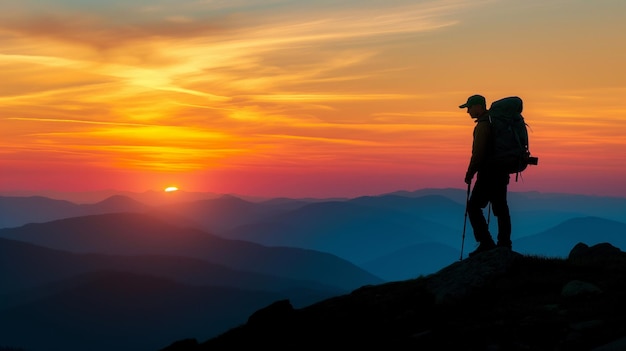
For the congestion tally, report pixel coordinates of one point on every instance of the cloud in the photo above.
(124, 23)
(132, 80)
(217, 51)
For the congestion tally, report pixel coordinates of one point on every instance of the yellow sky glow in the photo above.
(300, 98)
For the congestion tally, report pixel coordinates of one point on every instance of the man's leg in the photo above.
(501, 211)
(478, 200)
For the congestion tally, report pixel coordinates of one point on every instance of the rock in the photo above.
(577, 288)
(602, 250)
(460, 278)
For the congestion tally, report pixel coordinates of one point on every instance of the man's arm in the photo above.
(479, 149)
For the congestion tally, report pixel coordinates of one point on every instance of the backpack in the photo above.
(510, 136)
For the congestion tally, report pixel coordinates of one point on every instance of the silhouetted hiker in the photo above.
(491, 183)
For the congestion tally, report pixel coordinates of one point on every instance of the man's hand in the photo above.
(468, 178)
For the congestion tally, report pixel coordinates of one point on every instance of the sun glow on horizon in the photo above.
(337, 100)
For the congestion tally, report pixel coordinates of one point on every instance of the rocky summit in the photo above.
(497, 300)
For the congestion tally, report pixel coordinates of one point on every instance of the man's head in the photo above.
(476, 105)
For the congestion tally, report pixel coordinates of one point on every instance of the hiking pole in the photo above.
(465, 220)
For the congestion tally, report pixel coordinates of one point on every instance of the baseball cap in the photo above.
(474, 100)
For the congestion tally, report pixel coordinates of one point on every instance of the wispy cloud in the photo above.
(148, 83)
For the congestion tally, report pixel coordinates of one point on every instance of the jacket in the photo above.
(481, 147)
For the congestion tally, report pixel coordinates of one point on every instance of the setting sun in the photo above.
(266, 106)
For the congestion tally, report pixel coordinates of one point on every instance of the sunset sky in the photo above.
(318, 98)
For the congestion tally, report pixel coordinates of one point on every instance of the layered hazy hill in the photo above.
(206, 263)
(394, 236)
(128, 276)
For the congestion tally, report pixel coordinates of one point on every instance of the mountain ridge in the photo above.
(170, 240)
(137, 234)
(498, 300)
(99, 310)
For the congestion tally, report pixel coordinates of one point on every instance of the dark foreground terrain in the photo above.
(498, 300)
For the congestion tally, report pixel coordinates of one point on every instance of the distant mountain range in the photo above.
(63, 272)
(208, 262)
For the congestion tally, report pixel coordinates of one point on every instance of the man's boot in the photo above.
(485, 245)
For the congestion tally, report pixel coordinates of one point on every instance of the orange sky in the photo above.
(304, 98)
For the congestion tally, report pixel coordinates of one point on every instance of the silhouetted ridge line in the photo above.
(499, 299)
